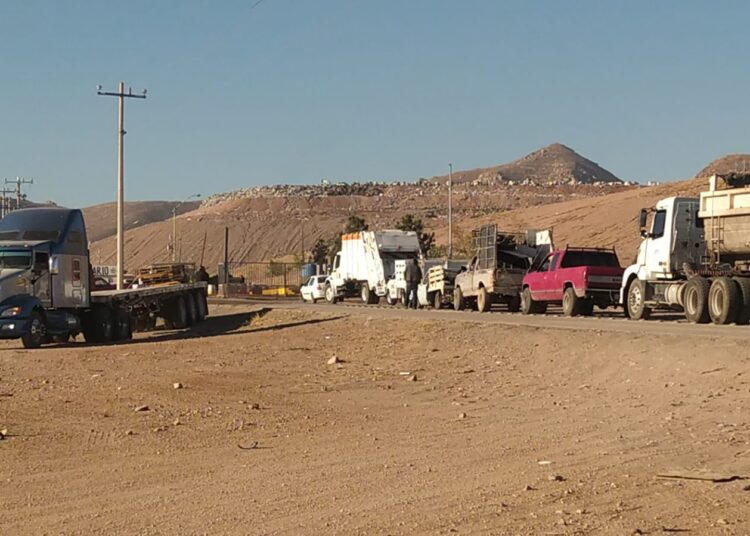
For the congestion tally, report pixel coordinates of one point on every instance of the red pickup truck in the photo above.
(577, 278)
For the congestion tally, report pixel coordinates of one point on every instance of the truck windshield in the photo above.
(15, 259)
(589, 258)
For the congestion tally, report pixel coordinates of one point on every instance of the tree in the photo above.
(409, 222)
(354, 224)
(320, 251)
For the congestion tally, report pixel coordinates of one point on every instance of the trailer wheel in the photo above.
(514, 303)
(123, 327)
(190, 307)
(437, 300)
(200, 306)
(98, 325)
(36, 332)
(743, 315)
(724, 300)
(635, 305)
(459, 302)
(177, 314)
(696, 300)
(571, 303)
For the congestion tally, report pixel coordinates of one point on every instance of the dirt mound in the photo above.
(271, 227)
(731, 163)
(554, 164)
(606, 221)
(101, 220)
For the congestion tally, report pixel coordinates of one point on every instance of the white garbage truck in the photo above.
(367, 262)
(695, 256)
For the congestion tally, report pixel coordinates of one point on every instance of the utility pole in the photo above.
(5, 202)
(450, 211)
(121, 95)
(18, 181)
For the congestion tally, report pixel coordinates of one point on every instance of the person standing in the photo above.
(412, 276)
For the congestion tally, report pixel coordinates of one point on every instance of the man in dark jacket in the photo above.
(412, 276)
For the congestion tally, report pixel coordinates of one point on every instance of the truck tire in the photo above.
(403, 298)
(36, 333)
(743, 315)
(531, 307)
(696, 300)
(635, 301)
(200, 306)
(724, 300)
(514, 303)
(190, 307)
(571, 302)
(364, 293)
(122, 327)
(178, 314)
(437, 300)
(459, 302)
(98, 325)
(484, 300)
(330, 294)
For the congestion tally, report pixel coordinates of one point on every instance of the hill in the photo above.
(731, 163)
(101, 220)
(606, 221)
(554, 164)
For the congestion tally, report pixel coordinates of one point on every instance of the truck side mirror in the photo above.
(644, 233)
(643, 218)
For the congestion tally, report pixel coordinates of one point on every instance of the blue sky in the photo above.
(294, 91)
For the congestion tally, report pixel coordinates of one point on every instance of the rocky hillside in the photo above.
(554, 164)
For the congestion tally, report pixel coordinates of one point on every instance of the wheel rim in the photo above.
(36, 329)
(634, 298)
(717, 300)
(364, 294)
(329, 294)
(566, 301)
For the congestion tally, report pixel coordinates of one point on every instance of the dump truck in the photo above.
(694, 256)
(496, 272)
(367, 261)
(46, 286)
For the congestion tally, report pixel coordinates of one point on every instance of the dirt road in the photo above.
(423, 426)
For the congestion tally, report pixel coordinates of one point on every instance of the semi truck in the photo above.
(367, 261)
(46, 290)
(496, 272)
(694, 256)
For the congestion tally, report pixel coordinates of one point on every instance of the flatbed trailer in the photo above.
(47, 286)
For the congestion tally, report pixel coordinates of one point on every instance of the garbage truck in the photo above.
(367, 262)
(694, 256)
(46, 286)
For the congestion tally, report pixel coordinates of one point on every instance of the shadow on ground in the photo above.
(212, 326)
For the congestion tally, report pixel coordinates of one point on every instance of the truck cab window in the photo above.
(545, 265)
(555, 259)
(657, 226)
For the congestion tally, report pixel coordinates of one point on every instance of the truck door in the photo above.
(41, 278)
(657, 245)
(553, 281)
(688, 242)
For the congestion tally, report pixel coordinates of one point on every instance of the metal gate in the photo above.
(269, 279)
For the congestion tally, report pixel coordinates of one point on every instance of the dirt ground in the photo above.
(422, 427)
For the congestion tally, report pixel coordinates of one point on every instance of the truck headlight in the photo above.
(11, 311)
